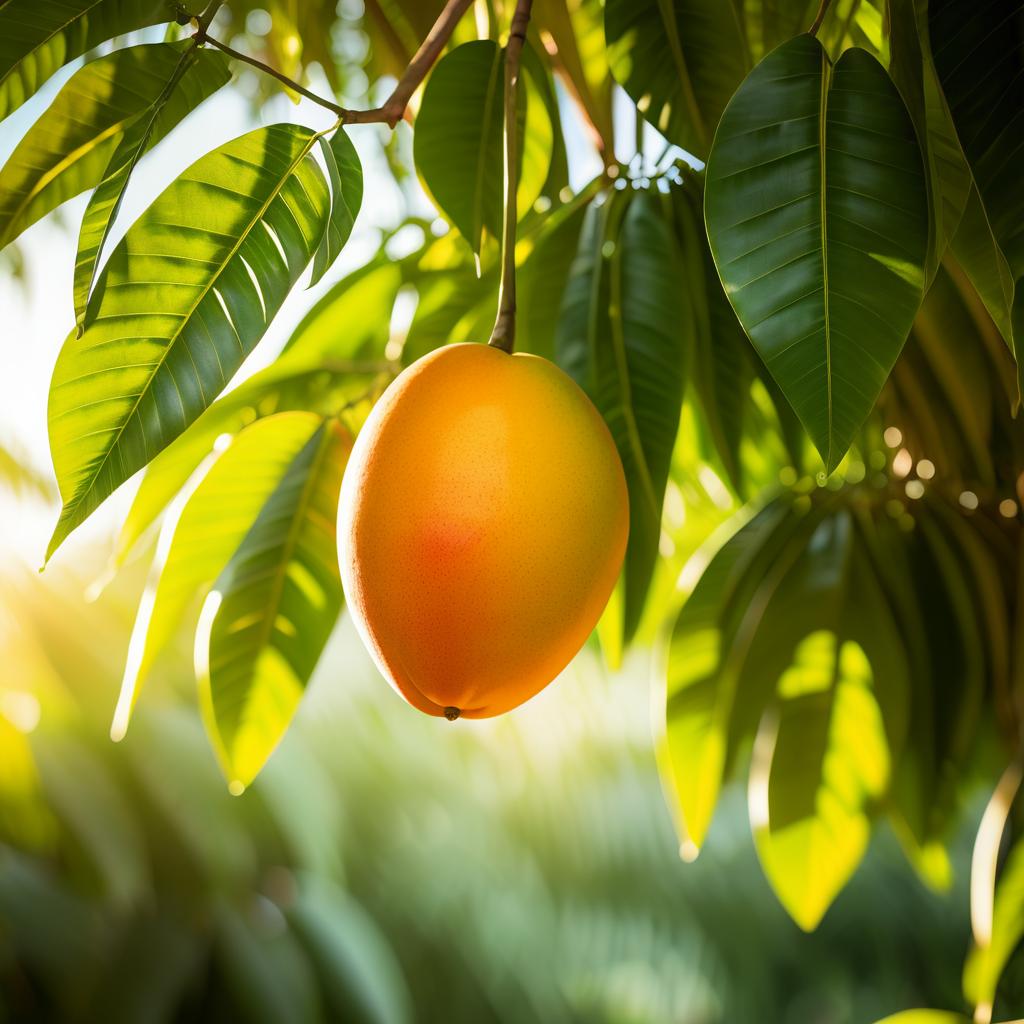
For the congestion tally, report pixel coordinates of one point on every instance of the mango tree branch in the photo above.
(393, 109)
(819, 17)
(504, 334)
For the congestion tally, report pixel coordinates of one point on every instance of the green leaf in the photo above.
(319, 385)
(825, 749)
(346, 177)
(625, 336)
(913, 71)
(37, 37)
(458, 143)
(925, 1017)
(184, 298)
(69, 147)
(269, 615)
(542, 277)
(997, 906)
(196, 75)
(706, 652)
(202, 533)
(680, 61)
(979, 57)
(817, 218)
(362, 979)
(723, 369)
(767, 23)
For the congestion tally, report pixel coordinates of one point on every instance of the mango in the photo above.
(481, 529)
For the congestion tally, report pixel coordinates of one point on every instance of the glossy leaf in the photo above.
(625, 336)
(184, 298)
(345, 174)
(825, 749)
(269, 615)
(37, 37)
(979, 56)
(196, 75)
(202, 534)
(318, 385)
(458, 144)
(817, 218)
(68, 149)
(913, 71)
(680, 61)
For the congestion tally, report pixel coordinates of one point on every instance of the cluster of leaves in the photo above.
(735, 310)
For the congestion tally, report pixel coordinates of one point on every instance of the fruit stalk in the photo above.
(504, 334)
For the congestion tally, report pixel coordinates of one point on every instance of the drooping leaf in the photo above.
(317, 385)
(978, 51)
(680, 61)
(196, 75)
(184, 298)
(817, 218)
(706, 652)
(271, 610)
(197, 542)
(997, 898)
(723, 369)
(824, 752)
(948, 177)
(37, 37)
(625, 335)
(69, 147)
(458, 144)
(767, 23)
(542, 277)
(345, 174)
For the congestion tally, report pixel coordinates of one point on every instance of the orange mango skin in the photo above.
(482, 526)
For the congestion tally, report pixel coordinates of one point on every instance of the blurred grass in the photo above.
(388, 867)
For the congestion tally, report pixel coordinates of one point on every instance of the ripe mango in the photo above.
(482, 526)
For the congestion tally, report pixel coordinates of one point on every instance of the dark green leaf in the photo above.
(680, 61)
(185, 297)
(458, 143)
(979, 57)
(913, 71)
(817, 217)
(269, 615)
(625, 335)
(37, 37)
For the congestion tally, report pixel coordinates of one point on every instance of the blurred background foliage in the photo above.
(385, 867)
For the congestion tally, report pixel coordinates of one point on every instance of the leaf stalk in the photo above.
(394, 107)
(503, 335)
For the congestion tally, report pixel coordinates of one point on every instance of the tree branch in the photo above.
(504, 334)
(393, 109)
(819, 17)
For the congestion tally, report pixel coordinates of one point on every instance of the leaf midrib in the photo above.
(826, 68)
(185, 61)
(481, 171)
(186, 319)
(272, 604)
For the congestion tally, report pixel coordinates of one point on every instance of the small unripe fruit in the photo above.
(482, 527)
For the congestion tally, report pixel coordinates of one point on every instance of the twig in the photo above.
(504, 334)
(819, 17)
(267, 69)
(393, 109)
